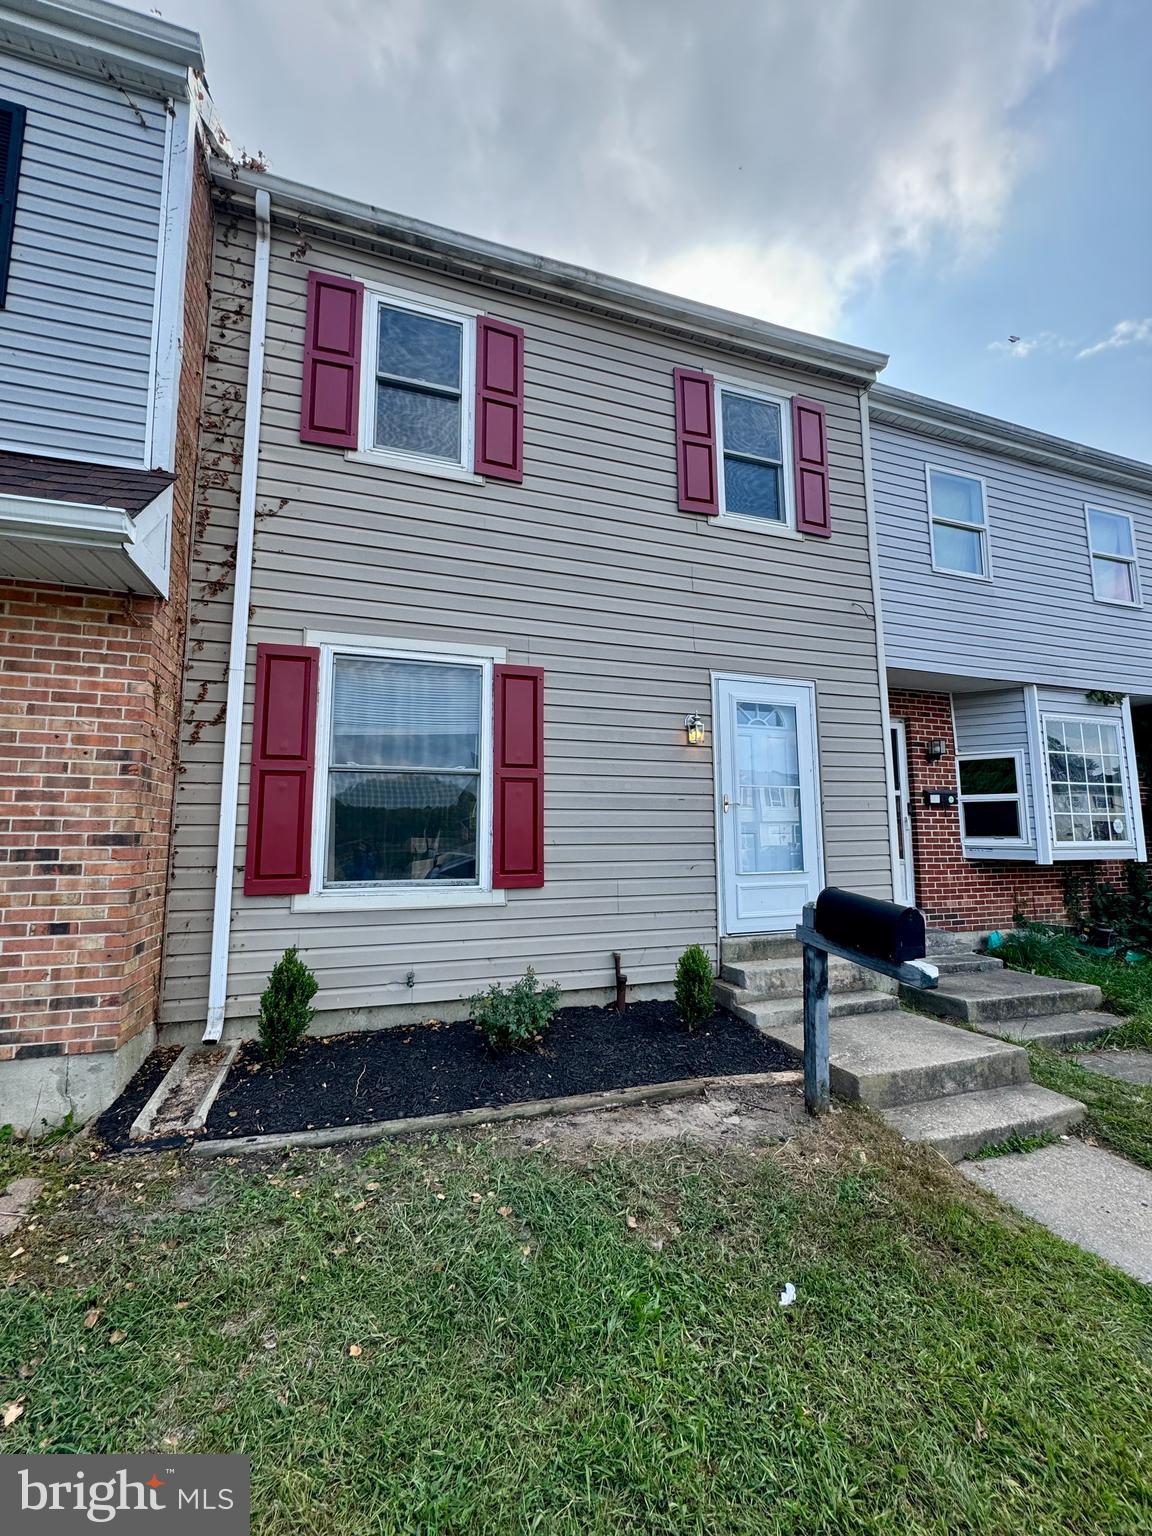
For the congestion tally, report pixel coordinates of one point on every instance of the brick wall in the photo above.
(954, 892)
(90, 688)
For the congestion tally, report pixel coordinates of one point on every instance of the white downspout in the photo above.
(238, 646)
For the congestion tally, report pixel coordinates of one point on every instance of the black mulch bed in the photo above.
(431, 1069)
(116, 1121)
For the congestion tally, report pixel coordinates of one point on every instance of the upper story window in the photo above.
(959, 521)
(12, 118)
(419, 397)
(754, 450)
(1115, 571)
(991, 809)
(1086, 779)
(407, 772)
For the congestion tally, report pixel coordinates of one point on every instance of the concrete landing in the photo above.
(1125, 1066)
(1002, 995)
(1095, 1199)
(902, 1058)
(1058, 1030)
(960, 1126)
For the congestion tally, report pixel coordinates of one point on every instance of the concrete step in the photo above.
(966, 1123)
(1062, 1031)
(1002, 995)
(951, 964)
(785, 978)
(770, 1014)
(899, 1057)
(758, 946)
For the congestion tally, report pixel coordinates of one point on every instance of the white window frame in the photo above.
(722, 386)
(1093, 850)
(1132, 561)
(394, 458)
(419, 895)
(970, 842)
(982, 528)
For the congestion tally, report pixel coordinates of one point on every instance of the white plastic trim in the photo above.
(238, 646)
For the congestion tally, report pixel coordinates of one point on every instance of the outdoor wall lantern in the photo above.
(694, 730)
(934, 750)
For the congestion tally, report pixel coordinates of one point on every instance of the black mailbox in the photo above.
(883, 929)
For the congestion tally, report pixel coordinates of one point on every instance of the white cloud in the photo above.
(763, 155)
(1125, 333)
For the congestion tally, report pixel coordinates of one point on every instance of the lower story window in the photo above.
(1086, 777)
(990, 805)
(406, 772)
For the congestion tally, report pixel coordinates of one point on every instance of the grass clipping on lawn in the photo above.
(466, 1336)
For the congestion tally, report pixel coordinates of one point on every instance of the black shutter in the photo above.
(11, 146)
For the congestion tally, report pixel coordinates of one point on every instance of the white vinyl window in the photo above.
(753, 450)
(991, 802)
(1115, 570)
(1086, 780)
(417, 393)
(402, 815)
(958, 516)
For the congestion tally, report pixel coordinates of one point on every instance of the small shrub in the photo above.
(516, 1016)
(285, 1013)
(695, 997)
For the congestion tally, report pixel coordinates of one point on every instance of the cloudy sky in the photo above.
(927, 177)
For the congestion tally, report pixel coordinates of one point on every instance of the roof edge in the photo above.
(900, 408)
(110, 33)
(560, 281)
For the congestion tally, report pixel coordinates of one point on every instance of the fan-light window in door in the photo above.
(769, 830)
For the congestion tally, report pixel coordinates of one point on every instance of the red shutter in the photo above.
(696, 441)
(499, 400)
(278, 862)
(518, 778)
(810, 461)
(330, 399)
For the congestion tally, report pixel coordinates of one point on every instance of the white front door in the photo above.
(905, 892)
(768, 804)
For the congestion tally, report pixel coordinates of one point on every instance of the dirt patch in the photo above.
(720, 1118)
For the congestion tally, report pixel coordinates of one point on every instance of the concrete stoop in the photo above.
(954, 1088)
(994, 997)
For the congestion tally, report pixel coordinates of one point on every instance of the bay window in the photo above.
(991, 804)
(1086, 777)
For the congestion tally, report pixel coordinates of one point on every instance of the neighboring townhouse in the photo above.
(105, 226)
(533, 622)
(1015, 569)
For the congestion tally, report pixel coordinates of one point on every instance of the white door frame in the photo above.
(719, 765)
(902, 810)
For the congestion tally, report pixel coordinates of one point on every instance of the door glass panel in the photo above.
(769, 827)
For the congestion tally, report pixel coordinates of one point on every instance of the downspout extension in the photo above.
(238, 644)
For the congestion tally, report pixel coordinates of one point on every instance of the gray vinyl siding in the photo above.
(76, 331)
(1037, 619)
(587, 570)
(994, 724)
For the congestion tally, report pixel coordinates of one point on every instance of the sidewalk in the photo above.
(1093, 1198)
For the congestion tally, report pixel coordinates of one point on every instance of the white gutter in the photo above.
(238, 647)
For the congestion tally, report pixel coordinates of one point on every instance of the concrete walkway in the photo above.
(1127, 1066)
(1093, 1198)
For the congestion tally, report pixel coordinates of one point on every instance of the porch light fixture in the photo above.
(934, 750)
(694, 730)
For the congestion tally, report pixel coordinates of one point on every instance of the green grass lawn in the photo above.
(1119, 1114)
(457, 1337)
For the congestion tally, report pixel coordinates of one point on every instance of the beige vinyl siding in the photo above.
(587, 570)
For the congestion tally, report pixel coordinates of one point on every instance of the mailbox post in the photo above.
(880, 936)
